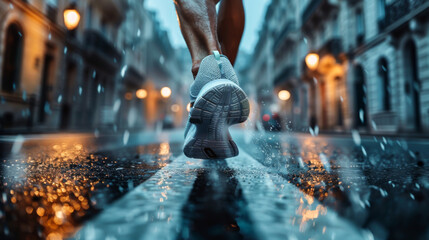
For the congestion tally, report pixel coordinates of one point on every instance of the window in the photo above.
(89, 17)
(12, 58)
(383, 84)
(381, 14)
(360, 27)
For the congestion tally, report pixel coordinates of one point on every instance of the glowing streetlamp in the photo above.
(284, 95)
(71, 17)
(141, 94)
(165, 92)
(312, 61)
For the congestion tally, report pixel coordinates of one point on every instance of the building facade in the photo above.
(87, 78)
(371, 64)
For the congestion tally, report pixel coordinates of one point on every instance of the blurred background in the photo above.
(307, 66)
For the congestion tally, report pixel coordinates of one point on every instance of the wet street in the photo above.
(281, 186)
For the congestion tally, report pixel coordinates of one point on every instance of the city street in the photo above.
(281, 186)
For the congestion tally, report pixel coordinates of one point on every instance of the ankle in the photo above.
(195, 67)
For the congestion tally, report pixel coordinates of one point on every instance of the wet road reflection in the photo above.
(49, 192)
(381, 186)
(216, 208)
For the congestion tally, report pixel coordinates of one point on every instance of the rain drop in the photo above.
(361, 115)
(123, 70)
(364, 152)
(356, 137)
(126, 137)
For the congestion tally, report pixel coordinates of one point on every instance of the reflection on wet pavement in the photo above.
(382, 189)
(216, 208)
(279, 187)
(47, 193)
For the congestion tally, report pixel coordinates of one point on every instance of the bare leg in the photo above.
(230, 27)
(198, 22)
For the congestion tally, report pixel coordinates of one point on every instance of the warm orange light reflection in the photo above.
(165, 92)
(188, 107)
(71, 18)
(175, 108)
(141, 93)
(128, 96)
(312, 61)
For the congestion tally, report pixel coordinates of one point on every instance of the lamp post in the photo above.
(312, 62)
(71, 17)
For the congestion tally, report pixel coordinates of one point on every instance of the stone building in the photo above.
(87, 78)
(371, 64)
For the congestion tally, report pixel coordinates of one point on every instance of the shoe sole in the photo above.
(220, 104)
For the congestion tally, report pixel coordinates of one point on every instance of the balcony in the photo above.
(317, 10)
(285, 76)
(100, 50)
(285, 35)
(114, 10)
(399, 9)
(385, 121)
(310, 10)
(331, 46)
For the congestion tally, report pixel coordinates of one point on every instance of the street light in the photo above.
(165, 92)
(284, 95)
(71, 17)
(312, 61)
(141, 94)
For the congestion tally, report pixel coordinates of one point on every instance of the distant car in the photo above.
(271, 121)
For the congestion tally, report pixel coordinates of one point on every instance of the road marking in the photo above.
(279, 210)
(152, 210)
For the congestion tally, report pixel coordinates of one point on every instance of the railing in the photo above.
(310, 9)
(399, 8)
(385, 120)
(289, 27)
(97, 42)
(287, 73)
(52, 13)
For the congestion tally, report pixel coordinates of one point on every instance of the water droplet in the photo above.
(17, 144)
(126, 137)
(65, 50)
(99, 88)
(80, 91)
(117, 105)
(60, 98)
(123, 70)
(361, 115)
(364, 152)
(356, 137)
(374, 126)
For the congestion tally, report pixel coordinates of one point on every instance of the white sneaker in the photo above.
(217, 102)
